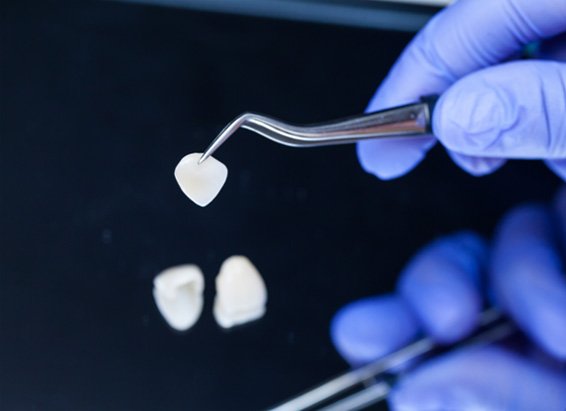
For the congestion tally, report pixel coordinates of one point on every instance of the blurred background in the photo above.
(100, 100)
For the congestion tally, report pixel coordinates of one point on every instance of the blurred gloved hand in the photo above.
(440, 294)
(492, 108)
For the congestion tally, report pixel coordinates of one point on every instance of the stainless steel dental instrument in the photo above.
(413, 120)
(492, 328)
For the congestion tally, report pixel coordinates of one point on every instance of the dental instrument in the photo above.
(408, 121)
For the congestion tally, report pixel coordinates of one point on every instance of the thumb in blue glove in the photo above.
(513, 110)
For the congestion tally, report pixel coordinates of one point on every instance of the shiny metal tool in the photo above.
(379, 376)
(412, 120)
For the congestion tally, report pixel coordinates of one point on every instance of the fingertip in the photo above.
(476, 166)
(448, 313)
(441, 285)
(390, 159)
(369, 328)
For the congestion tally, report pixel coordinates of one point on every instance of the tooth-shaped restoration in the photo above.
(241, 294)
(178, 295)
(200, 182)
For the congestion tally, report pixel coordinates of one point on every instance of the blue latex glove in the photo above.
(492, 108)
(440, 294)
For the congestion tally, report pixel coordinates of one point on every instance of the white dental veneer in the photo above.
(240, 293)
(200, 182)
(178, 295)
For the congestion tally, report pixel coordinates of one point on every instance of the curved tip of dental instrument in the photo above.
(230, 129)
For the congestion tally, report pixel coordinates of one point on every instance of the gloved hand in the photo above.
(440, 294)
(492, 108)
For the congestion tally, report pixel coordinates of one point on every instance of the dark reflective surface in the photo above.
(99, 102)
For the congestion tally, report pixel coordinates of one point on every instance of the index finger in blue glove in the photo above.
(527, 276)
(465, 37)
